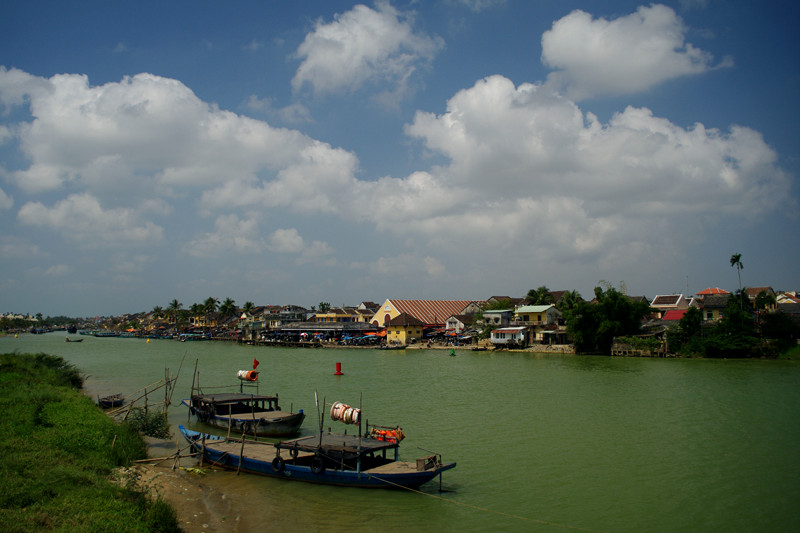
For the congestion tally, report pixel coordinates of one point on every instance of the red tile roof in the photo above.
(431, 311)
(674, 314)
(712, 290)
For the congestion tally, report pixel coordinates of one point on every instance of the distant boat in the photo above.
(106, 334)
(194, 337)
(107, 402)
(74, 340)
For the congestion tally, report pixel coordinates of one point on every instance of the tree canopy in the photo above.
(593, 325)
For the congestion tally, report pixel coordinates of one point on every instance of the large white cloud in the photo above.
(522, 155)
(518, 157)
(621, 56)
(145, 130)
(363, 45)
(81, 218)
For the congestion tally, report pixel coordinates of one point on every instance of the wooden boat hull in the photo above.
(109, 402)
(260, 458)
(263, 424)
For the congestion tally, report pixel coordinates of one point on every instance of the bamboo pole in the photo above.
(241, 455)
(191, 394)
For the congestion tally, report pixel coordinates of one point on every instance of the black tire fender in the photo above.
(278, 464)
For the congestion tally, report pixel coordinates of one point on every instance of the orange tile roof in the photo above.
(712, 290)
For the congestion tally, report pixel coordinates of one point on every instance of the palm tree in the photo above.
(248, 307)
(736, 261)
(568, 301)
(157, 312)
(174, 308)
(540, 296)
(210, 305)
(228, 307)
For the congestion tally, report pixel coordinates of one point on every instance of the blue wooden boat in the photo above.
(369, 461)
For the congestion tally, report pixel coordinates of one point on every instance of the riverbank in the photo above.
(58, 453)
(192, 492)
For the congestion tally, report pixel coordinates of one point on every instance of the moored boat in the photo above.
(108, 402)
(370, 460)
(251, 414)
(258, 415)
(74, 340)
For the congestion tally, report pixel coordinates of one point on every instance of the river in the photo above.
(543, 442)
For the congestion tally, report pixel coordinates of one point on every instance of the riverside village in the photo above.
(752, 321)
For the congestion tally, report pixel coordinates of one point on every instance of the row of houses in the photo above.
(403, 322)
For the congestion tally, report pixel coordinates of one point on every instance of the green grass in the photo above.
(791, 353)
(57, 454)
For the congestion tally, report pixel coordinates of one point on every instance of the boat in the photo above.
(74, 340)
(106, 334)
(370, 460)
(108, 402)
(252, 414)
(258, 415)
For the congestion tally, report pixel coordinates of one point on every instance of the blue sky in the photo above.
(298, 152)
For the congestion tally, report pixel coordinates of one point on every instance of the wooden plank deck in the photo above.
(267, 415)
(252, 450)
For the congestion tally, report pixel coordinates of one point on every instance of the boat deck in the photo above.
(269, 416)
(261, 451)
(266, 452)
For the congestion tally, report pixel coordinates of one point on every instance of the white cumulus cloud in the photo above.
(620, 56)
(81, 218)
(363, 45)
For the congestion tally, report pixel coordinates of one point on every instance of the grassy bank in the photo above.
(57, 454)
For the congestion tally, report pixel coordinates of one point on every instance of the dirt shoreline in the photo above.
(198, 505)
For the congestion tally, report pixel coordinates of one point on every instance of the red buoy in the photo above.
(338, 369)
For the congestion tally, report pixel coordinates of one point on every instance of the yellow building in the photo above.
(403, 328)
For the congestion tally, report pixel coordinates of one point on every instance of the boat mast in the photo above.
(360, 412)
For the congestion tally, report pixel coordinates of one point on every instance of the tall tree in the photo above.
(736, 261)
(324, 307)
(196, 309)
(248, 307)
(158, 312)
(228, 307)
(174, 308)
(568, 301)
(210, 305)
(593, 326)
(539, 296)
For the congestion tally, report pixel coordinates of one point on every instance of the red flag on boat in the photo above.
(255, 363)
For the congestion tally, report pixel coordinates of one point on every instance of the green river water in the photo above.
(543, 442)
